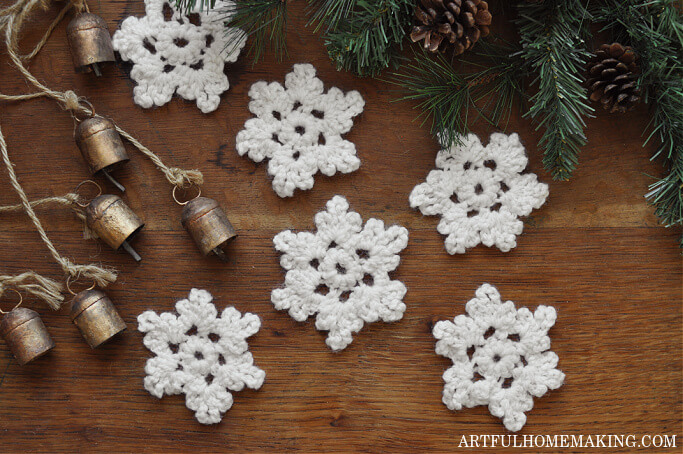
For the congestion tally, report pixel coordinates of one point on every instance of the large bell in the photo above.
(90, 42)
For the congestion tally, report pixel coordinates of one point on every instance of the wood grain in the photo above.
(595, 251)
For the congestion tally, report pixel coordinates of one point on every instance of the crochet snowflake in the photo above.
(500, 357)
(480, 192)
(299, 128)
(173, 52)
(341, 272)
(200, 354)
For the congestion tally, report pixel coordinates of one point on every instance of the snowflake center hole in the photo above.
(341, 269)
(332, 245)
(300, 130)
(491, 164)
(296, 155)
(496, 358)
(322, 289)
(181, 42)
(467, 165)
(221, 359)
(315, 263)
(199, 355)
(478, 189)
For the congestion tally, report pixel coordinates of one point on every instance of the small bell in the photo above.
(90, 42)
(101, 146)
(208, 225)
(25, 334)
(116, 224)
(95, 315)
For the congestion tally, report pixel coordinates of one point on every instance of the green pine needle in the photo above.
(654, 28)
(550, 34)
(451, 99)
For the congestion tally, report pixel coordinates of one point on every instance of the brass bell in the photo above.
(95, 315)
(208, 225)
(25, 334)
(116, 224)
(90, 42)
(101, 146)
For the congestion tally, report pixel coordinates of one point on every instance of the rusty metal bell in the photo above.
(25, 334)
(90, 42)
(101, 146)
(96, 317)
(114, 222)
(208, 225)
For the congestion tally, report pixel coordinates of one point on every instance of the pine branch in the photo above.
(450, 99)
(550, 34)
(364, 36)
(263, 21)
(654, 28)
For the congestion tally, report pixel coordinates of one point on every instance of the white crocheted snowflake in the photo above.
(480, 192)
(299, 127)
(179, 53)
(500, 355)
(200, 354)
(341, 272)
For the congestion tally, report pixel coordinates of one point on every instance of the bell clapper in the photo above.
(111, 179)
(220, 253)
(129, 249)
(96, 69)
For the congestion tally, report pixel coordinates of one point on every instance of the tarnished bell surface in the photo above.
(95, 315)
(111, 219)
(89, 41)
(208, 225)
(100, 144)
(25, 334)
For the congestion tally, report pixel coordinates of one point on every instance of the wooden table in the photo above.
(594, 251)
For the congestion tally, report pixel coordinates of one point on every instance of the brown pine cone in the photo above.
(444, 23)
(612, 74)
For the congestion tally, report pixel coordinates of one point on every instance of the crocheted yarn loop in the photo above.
(341, 272)
(299, 128)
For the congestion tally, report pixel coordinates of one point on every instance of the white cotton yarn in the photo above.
(200, 354)
(298, 127)
(480, 192)
(341, 272)
(173, 52)
(501, 357)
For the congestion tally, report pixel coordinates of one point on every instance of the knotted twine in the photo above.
(11, 20)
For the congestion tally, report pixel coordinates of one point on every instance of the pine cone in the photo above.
(612, 74)
(459, 23)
